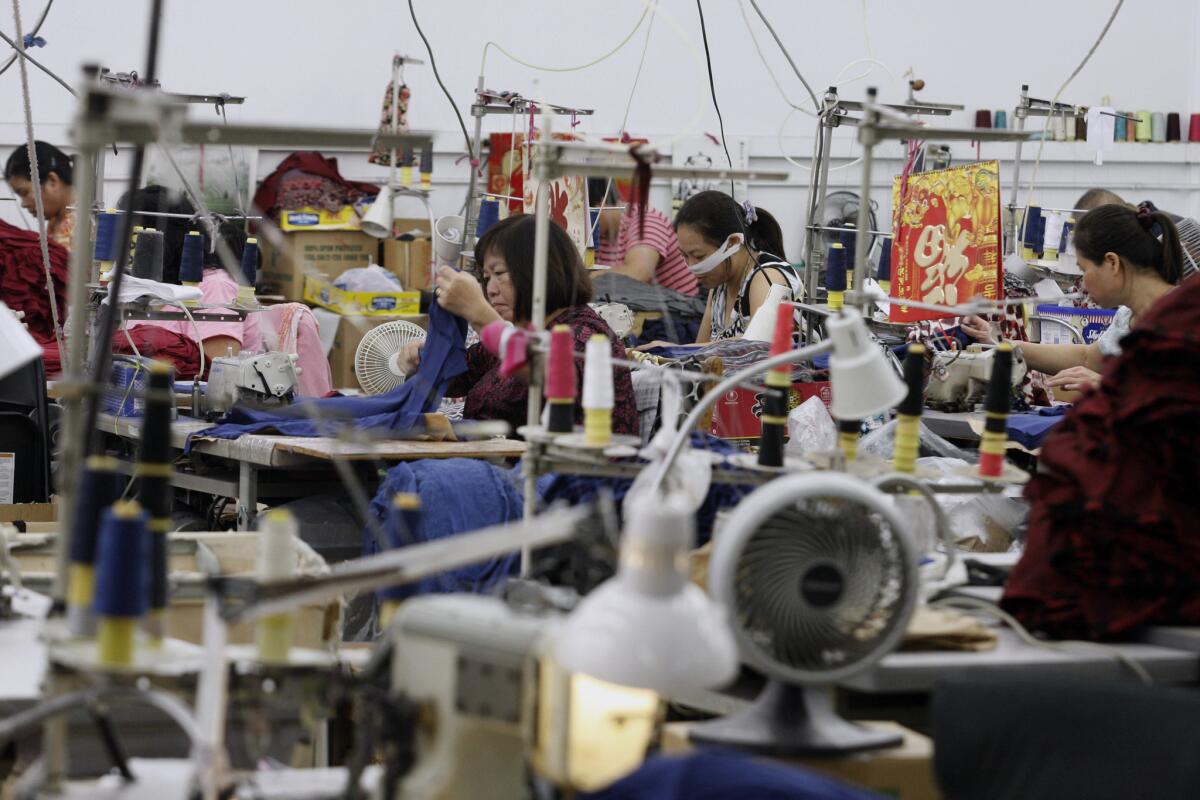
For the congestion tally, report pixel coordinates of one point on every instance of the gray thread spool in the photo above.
(148, 255)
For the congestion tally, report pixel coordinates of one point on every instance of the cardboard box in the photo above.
(410, 260)
(346, 218)
(324, 254)
(351, 330)
(737, 414)
(29, 512)
(367, 304)
(904, 772)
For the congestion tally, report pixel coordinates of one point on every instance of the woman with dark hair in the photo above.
(56, 170)
(1129, 258)
(505, 256)
(736, 253)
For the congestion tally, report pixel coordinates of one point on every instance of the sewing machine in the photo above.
(261, 380)
(959, 378)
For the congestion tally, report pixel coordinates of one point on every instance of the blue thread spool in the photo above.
(1031, 237)
(122, 580)
(250, 261)
(489, 215)
(100, 486)
(402, 529)
(849, 240)
(1119, 128)
(884, 272)
(1001, 120)
(191, 263)
(106, 236)
(835, 268)
(594, 221)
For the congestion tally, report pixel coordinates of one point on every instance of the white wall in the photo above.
(320, 63)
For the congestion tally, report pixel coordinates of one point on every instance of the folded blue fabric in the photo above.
(1030, 428)
(442, 359)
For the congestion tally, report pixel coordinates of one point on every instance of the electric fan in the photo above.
(818, 574)
(377, 358)
(841, 209)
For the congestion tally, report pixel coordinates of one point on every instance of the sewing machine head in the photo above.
(261, 380)
(959, 378)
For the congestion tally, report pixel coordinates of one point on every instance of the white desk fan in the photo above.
(819, 577)
(377, 357)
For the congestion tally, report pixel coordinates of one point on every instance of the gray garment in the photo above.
(613, 287)
(1110, 340)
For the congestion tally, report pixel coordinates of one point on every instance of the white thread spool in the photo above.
(276, 561)
(598, 390)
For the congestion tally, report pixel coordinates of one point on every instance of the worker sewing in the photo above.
(55, 169)
(736, 253)
(1129, 258)
(505, 254)
(640, 244)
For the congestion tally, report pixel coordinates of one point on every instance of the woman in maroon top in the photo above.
(505, 255)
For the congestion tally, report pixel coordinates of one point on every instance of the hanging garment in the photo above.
(23, 280)
(291, 328)
(383, 155)
(315, 182)
(401, 409)
(1112, 538)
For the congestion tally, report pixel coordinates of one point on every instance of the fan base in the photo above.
(789, 720)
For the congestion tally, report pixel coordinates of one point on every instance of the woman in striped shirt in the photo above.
(736, 253)
(643, 247)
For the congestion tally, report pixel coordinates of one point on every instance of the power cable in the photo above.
(712, 87)
(433, 63)
(786, 54)
(36, 28)
(592, 63)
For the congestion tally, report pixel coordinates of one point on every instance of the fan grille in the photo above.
(375, 359)
(820, 584)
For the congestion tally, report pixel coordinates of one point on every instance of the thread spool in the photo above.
(276, 561)
(835, 275)
(1144, 131)
(1119, 133)
(594, 228)
(106, 238)
(100, 485)
(1066, 245)
(848, 431)
(996, 407)
(1194, 128)
(153, 473)
(406, 166)
(1069, 127)
(775, 400)
(1081, 128)
(133, 237)
(1131, 127)
(191, 262)
(1000, 120)
(427, 167)
(121, 572)
(148, 255)
(1052, 235)
(883, 274)
(245, 293)
(489, 215)
(1158, 127)
(908, 419)
(1174, 133)
(560, 381)
(849, 240)
(1030, 239)
(983, 119)
(598, 391)
(402, 529)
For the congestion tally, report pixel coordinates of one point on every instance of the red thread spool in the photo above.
(560, 367)
(781, 340)
(983, 119)
(1173, 127)
(1194, 128)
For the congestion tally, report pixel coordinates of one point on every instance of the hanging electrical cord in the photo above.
(1054, 102)
(575, 68)
(712, 87)
(766, 65)
(786, 54)
(35, 180)
(36, 28)
(24, 56)
(433, 63)
(795, 163)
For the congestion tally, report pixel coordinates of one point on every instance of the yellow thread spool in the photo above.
(908, 438)
(114, 640)
(597, 425)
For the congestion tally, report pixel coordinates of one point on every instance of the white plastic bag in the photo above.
(810, 429)
(368, 279)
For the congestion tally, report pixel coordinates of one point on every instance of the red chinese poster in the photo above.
(946, 248)
(505, 169)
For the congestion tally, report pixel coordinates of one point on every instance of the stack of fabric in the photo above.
(1112, 531)
(23, 286)
(308, 180)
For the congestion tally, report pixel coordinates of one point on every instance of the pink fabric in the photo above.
(292, 328)
(216, 288)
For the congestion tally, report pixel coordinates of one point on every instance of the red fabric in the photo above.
(23, 281)
(266, 198)
(1113, 538)
(162, 344)
(490, 396)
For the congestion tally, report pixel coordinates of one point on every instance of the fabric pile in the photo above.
(23, 286)
(681, 313)
(308, 180)
(1112, 539)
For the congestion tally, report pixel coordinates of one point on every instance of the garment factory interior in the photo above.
(632, 399)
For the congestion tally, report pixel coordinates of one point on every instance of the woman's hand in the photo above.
(410, 356)
(1075, 379)
(459, 293)
(978, 329)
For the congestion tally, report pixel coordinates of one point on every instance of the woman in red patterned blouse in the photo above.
(505, 254)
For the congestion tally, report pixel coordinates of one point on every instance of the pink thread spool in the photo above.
(560, 380)
(1194, 128)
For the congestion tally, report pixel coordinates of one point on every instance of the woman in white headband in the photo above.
(736, 253)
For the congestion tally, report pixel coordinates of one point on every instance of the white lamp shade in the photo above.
(378, 220)
(17, 347)
(864, 384)
(447, 243)
(650, 627)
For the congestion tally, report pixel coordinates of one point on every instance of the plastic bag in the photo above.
(368, 279)
(882, 443)
(810, 429)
